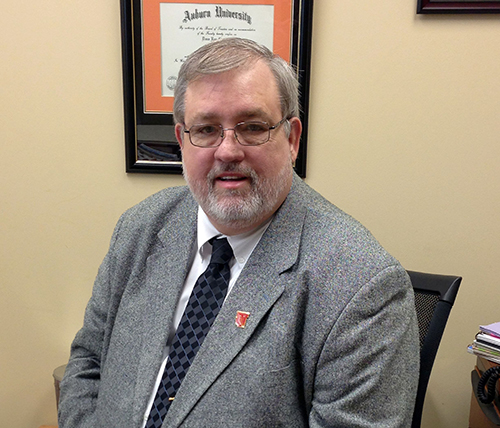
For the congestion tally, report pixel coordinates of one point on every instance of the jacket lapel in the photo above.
(166, 269)
(257, 289)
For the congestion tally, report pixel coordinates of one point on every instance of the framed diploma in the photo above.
(157, 36)
(460, 6)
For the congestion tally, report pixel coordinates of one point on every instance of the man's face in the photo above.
(238, 187)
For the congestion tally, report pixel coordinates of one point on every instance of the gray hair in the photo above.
(228, 54)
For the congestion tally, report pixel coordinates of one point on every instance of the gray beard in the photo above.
(234, 208)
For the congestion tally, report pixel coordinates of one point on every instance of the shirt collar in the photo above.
(242, 244)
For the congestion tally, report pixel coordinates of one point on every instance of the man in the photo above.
(317, 328)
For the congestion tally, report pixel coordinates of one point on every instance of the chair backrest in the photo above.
(434, 298)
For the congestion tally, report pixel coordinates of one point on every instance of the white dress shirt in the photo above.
(242, 245)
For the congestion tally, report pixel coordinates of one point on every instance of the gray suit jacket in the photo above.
(331, 340)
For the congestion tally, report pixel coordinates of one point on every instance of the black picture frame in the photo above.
(433, 6)
(154, 128)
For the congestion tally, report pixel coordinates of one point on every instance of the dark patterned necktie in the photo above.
(203, 306)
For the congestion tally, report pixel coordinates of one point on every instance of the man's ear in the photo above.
(294, 137)
(179, 134)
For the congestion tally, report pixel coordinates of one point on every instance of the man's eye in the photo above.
(207, 130)
(253, 127)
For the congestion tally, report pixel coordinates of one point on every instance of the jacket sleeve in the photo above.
(80, 384)
(367, 373)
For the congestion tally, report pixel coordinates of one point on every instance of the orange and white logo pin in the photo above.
(241, 318)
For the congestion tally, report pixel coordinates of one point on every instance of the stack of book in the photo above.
(487, 343)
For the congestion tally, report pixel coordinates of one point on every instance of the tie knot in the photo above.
(222, 252)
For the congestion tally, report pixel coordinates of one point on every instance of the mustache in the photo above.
(232, 167)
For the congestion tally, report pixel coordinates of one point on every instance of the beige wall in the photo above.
(404, 136)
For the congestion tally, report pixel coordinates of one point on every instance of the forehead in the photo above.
(249, 91)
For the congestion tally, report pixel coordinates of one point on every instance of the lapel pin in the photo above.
(241, 318)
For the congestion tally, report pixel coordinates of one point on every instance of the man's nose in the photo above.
(229, 149)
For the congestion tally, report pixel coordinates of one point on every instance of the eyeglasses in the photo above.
(246, 133)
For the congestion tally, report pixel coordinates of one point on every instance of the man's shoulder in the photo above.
(160, 203)
(335, 248)
(329, 227)
(323, 216)
(172, 208)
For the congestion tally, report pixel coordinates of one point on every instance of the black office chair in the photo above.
(434, 298)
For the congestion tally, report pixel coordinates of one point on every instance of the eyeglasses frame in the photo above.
(222, 135)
